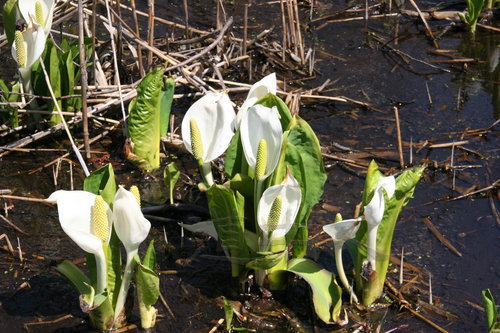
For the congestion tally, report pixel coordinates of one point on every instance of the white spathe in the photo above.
(291, 196)
(214, 114)
(374, 213)
(259, 123)
(259, 89)
(34, 44)
(130, 224)
(28, 12)
(343, 230)
(75, 216)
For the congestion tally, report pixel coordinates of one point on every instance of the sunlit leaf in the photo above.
(171, 175)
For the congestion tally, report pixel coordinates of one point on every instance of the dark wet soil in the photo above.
(194, 274)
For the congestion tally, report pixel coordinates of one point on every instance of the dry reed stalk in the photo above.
(398, 132)
(115, 63)
(83, 79)
(283, 23)
(299, 34)
(245, 30)
(137, 32)
(291, 26)
(424, 21)
(151, 31)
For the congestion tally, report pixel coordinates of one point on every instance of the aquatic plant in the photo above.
(38, 12)
(97, 223)
(490, 312)
(471, 16)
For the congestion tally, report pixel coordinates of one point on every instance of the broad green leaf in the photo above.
(303, 157)
(327, 295)
(148, 285)
(227, 212)
(114, 267)
(79, 280)
(271, 100)
(167, 97)
(102, 182)
(252, 240)
(266, 260)
(9, 19)
(206, 227)
(144, 120)
(150, 257)
(170, 177)
(490, 311)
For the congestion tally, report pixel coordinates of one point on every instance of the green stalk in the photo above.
(206, 172)
(340, 269)
(277, 275)
(124, 286)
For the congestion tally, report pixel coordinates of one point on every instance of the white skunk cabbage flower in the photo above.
(258, 90)
(277, 210)
(341, 232)
(132, 228)
(87, 219)
(261, 137)
(374, 212)
(38, 11)
(211, 117)
(27, 48)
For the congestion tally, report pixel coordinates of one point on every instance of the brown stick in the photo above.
(186, 18)
(283, 23)
(432, 228)
(245, 30)
(151, 30)
(6, 220)
(299, 34)
(400, 144)
(137, 32)
(429, 31)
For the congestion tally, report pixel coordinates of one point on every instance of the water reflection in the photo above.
(485, 48)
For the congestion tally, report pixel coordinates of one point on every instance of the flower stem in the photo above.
(257, 193)
(340, 269)
(206, 172)
(372, 245)
(127, 275)
(101, 273)
(277, 275)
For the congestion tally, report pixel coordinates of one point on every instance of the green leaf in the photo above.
(405, 186)
(79, 280)
(266, 260)
(243, 184)
(490, 310)
(167, 97)
(327, 295)
(235, 161)
(102, 182)
(171, 175)
(150, 257)
(114, 267)
(54, 70)
(271, 100)
(148, 285)
(9, 19)
(227, 212)
(228, 313)
(144, 120)
(303, 157)
(102, 316)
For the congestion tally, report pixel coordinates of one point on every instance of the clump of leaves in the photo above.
(471, 16)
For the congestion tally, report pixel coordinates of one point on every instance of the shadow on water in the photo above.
(194, 272)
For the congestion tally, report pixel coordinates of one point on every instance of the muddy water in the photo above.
(461, 98)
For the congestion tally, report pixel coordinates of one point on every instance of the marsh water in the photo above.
(437, 102)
